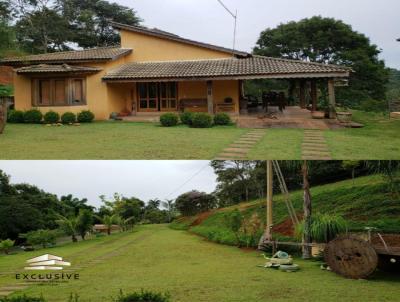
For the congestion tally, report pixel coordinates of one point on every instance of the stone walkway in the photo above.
(241, 147)
(314, 146)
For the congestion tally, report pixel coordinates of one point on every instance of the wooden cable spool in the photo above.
(351, 257)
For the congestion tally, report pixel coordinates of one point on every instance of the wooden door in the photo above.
(168, 96)
(148, 97)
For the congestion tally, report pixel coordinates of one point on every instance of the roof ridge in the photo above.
(302, 62)
(183, 61)
(171, 36)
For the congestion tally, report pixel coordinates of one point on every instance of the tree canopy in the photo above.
(330, 41)
(54, 25)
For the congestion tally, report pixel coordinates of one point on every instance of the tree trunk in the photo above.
(74, 238)
(307, 240)
(109, 231)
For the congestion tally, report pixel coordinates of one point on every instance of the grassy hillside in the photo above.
(366, 202)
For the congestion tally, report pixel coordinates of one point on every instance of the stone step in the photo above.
(5, 293)
(315, 147)
(232, 155)
(13, 287)
(237, 150)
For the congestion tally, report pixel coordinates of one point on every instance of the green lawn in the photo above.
(191, 269)
(380, 139)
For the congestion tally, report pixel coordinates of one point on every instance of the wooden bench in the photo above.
(224, 107)
(193, 105)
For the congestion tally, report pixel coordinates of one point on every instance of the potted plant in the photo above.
(344, 115)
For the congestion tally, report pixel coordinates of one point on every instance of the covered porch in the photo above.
(217, 85)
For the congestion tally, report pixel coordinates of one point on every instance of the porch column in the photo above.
(314, 95)
(210, 97)
(332, 98)
(303, 94)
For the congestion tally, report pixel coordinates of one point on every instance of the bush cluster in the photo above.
(195, 120)
(169, 119)
(34, 116)
(68, 118)
(85, 116)
(202, 120)
(15, 116)
(142, 296)
(186, 118)
(222, 119)
(51, 117)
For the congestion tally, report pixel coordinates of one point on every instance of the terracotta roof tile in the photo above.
(64, 68)
(253, 67)
(94, 54)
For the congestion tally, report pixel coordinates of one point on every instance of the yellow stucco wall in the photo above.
(103, 99)
(149, 48)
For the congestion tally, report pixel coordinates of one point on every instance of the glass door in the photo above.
(148, 97)
(168, 96)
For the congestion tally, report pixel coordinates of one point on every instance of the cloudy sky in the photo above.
(207, 21)
(90, 179)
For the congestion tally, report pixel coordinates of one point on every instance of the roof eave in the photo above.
(233, 77)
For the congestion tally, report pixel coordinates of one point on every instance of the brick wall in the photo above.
(6, 75)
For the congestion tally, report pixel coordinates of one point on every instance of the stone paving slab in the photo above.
(314, 146)
(241, 147)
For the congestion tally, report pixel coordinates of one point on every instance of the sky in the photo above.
(90, 179)
(207, 21)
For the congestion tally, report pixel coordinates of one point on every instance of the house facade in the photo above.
(151, 72)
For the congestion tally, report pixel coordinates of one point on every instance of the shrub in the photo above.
(324, 227)
(222, 119)
(143, 296)
(201, 120)
(169, 120)
(85, 116)
(33, 116)
(51, 117)
(68, 118)
(44, 238)
(23, 298)
(6, 245)
(15, 116)
(186, 118)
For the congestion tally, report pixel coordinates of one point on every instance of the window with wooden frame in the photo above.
(58, 92)
(168, 96)
(157, 96)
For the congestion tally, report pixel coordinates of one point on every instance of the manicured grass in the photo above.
(380, 139)
(191, 269)
(108, 140)
(366, 202)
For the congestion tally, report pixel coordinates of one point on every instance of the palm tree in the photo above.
(169, 205)
(108, 221)
(124, 223)
(69, 226)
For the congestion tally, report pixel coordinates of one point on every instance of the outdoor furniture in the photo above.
(274, 99)
(193, 105)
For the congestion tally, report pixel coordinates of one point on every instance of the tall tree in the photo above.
(90, 21)
(84, 222)
(326, 40)
(41, 27)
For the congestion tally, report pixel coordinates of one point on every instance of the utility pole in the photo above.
(267, 236)
(270, 179)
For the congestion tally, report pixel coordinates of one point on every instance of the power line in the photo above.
(186, 182)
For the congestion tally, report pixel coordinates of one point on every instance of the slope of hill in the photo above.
(365, 202)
